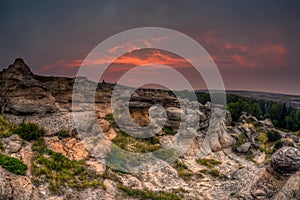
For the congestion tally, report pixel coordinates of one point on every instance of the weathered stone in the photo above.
(286, 160)
(12, 144)
(244, 148)
(174, 113)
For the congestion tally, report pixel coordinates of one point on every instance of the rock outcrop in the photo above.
(221, 162)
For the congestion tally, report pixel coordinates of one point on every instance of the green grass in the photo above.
(240, 139)
(251, 158)
(60, 171)
(269, 142)
(136, 145)
(147, 195)
(29, 131)
(12, 164)
(167, 130)
(5, 127)
(209, 163)
(232, 193)
(63, 134)
(262, 137)
(130, 143)
(184, 172)
(213, 172)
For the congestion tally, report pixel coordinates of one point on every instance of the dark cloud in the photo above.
(57, 33)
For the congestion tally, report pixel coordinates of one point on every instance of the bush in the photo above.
(240, 139)
(29, 131)
(167, 130)
(273, 136)
(12, 164)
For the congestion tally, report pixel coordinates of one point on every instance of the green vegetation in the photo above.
(273, 136)
(213, 172)
(269, 142)
(146, 195)
(167, 130)
(184, 172)
(109, 117)
(5, 127)
(209, 163)
(251, 158)
(240, 139)
(60, 171)
(63, 134)
(29, 131)
(134, 144)
(12, 164)
(281, 115)
(130, 143)
(232, 193)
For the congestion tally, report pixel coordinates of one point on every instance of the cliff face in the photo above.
(236, 167)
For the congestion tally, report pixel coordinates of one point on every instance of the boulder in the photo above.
(244, 148)
(286, 160)
(267, 123)
(247, 118)
(12, 144)
(174, 113)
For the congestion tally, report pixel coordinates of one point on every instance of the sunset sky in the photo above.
(255, 44)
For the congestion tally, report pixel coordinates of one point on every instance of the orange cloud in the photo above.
(232, 54)
(224, 53)
(124, 62)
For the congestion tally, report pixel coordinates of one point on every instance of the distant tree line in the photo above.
(282, 116)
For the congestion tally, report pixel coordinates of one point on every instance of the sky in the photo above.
(255, 44)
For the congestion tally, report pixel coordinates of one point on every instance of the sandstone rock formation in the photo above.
(222, 161)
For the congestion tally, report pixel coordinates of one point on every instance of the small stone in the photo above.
(259, 194)
(244, 148)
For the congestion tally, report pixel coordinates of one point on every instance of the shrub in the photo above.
(167, 130)
(273, 136)
(29, 131)
(240, 139)
(262, 137)
(12, 164)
